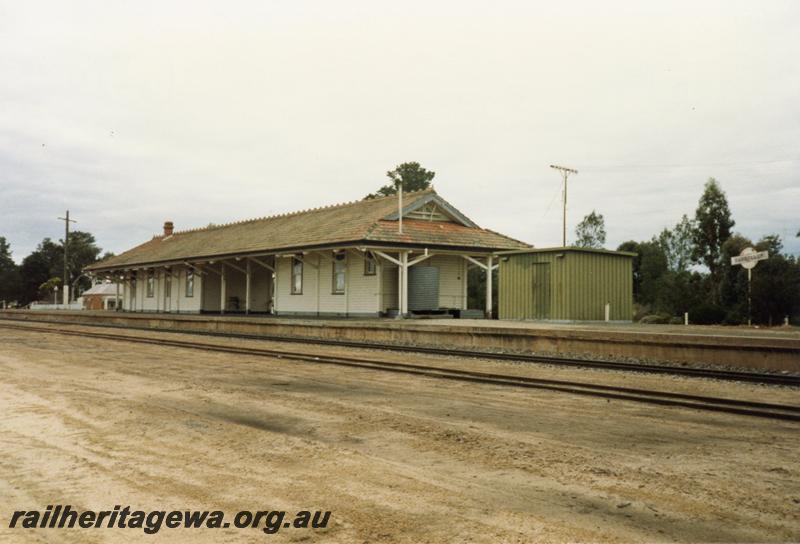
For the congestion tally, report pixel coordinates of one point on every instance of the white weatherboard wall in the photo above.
(305, 303)
(330, 303)
(178, 302)
(364, 295)
(148, 303)
(167, 303)
(184, 303)
(361, 291)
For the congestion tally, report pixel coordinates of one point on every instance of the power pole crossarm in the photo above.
(565, 172)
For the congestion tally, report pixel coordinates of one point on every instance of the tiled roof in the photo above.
(354, 222)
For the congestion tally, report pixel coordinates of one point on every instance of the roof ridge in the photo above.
(289, 214)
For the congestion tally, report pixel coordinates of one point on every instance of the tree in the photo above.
(770, 243)
(679, 292)
(47, 262)
(413, 177)
(591, 232)
(776, 283)
(712, 227)
(649, 265)
(48, 288)
(678, 244)
(656, 288)
(9, 274)
(632, 246)
(44, 263)
(83, 251)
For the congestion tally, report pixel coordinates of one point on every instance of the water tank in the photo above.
(423, 288)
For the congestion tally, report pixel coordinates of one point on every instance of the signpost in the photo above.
(748, 259)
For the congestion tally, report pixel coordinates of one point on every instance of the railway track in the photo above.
(662, 398)
(716, 374)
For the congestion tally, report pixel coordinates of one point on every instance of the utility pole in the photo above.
(65, 280)
(400, 204)
(565, 172)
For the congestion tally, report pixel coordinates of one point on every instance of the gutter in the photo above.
(262, 253)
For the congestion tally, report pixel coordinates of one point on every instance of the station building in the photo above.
(365, 258)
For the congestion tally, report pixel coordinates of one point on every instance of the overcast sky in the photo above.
(131, 113)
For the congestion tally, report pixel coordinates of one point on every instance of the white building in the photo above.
(352, 259)
(100, 296)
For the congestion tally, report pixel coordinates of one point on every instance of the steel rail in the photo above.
(716, 374)
(664, 398)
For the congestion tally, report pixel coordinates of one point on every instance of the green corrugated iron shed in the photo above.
(566, 284)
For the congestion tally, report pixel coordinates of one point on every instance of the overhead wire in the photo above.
(622, 166)
(552, 200)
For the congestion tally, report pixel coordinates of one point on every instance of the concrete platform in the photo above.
(775, 349)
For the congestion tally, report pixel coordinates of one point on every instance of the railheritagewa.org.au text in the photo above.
(152, 521)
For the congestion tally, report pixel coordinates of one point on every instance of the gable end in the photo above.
(433, 208)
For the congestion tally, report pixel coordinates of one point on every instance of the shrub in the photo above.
(655, 319)
(707, 314)
(734, 317)
(640, 311)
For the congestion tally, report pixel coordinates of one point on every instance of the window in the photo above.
(151, 283)
(370, 266)
(339, 268)
(168, 284)
(297, 276)
(189, 283)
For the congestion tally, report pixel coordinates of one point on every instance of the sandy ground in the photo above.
(96, 423)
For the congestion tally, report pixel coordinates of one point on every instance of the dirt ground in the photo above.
(97, 423)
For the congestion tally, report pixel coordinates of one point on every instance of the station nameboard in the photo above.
(749, 257)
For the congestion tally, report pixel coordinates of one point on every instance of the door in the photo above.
(540, 290)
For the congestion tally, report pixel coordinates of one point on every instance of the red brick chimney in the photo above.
(168, 228)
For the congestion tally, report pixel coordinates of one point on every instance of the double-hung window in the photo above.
(370, 266)
(297, 276)
(189, 283)
(339, 271)
(151, 283)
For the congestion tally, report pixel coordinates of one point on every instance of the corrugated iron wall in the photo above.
(565, 285)
(525, 286)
